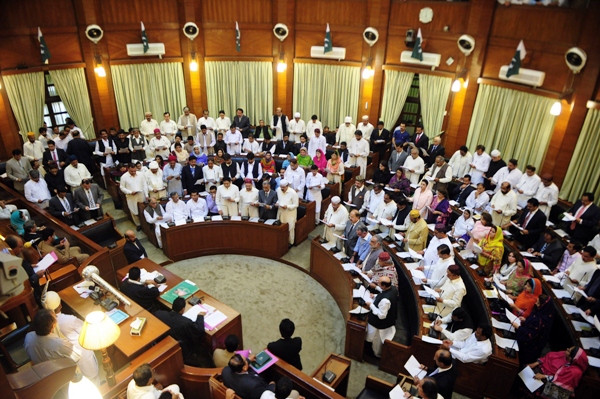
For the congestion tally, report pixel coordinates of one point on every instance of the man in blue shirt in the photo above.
(400, 135)
(362, 246)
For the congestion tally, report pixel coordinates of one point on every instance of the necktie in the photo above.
(66, 205)
(434, 147)
(544, 247)
(54, 155)
(577, 216)
(91, 199)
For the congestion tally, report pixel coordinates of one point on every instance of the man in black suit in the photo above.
(267, 196)
(63, 207)
(56, 155)
(55, 178)
(548, 249)
(285, 146)
(287, 348)
(243, 122)
(532, 223)
(434, 150)
(133, 248)
(462, 192)
(190, 334)
(587, 216)
(190, 174)
(444, 373)
(82, 150)
(380, 140)
(243, 380)
(139, 291)
(89, 196)
(420, 140)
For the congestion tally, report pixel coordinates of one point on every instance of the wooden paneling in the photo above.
(228, 11)
(34, 13)
(453, 15)
(131, 12)
(351, 41)
(117, 42)
(447, 48)
(334, 12)
(221, 42)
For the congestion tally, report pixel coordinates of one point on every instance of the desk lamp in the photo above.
(98, 333)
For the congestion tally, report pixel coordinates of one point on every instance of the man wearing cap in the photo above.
(206, 139)
(228, 197)
(359, 151)
(134, 186)
(267, 198)
(316, 142)
(17, 169)
(312, 125)
(359, 196)
(63, 207)
(296, 178)
(187, 123)
(63, 250)
(159, 145)
(365, 127)
(75, 173)
(69, 327)
(380, 139)
(172, 175)
(242, 122)
(417, 232)
(105, 150)
(315, 182)
(346, 131)
(280, 125)
(451, 292)
(296, 128)
(154, 180)
(496, 164)
(234, 140)
(148, 126)
(382, 317)
(36, 190)
(33, 149)
(89, 198)
(335, 219)
(155, 215)
(414, 166)
(248, 199)
(287, 201)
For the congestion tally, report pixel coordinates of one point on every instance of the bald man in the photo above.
(133, 248)
(443, 373)
(382, 318)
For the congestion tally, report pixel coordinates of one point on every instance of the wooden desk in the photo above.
(328, 271)
(340, 366)
(225, 237)
(214, 338)
(127, 346)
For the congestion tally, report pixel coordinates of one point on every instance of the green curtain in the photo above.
(246, 85)
(329, 91)
(395, 91)
(518, 124)
(433, 93)
(583, 174)
(71, 86)
(26, 94)
(148, 87)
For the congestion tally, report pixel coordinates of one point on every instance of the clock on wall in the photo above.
(426, 15)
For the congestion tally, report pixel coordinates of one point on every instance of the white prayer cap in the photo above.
(284, 183)
(365, 117)
(336, 200)
(297, 115)
(348, 119)
(51, 300)
(495, 153)
(153, 165)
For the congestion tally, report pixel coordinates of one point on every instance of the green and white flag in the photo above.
(515, 64)
(43, 48)
(327, 45)
(238, 37)
(145, 39)
(417, 50)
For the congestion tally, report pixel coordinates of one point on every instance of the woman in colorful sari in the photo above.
(440, 207)
(422, 198)
(517, 279)
(526, 300)
(320, 161)
(492, 250)
(399, 183)
(480, 230)
(534, 332)
(268, 164)
(563, 369)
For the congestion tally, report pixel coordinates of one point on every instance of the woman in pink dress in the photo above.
(320, 161)
(480, 230)
(422, 198)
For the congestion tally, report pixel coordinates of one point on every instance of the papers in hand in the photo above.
(539, 266)
(568, 218)
(527, 254)
(531, 383)
(501, 325)
(512, 318)
(414, 254)
(417, 276)
(477, 249)
(340, 237)
(46, 262)
(506, 297)
(431, 292)
(428, 339)
(349, 204)
(516, 225)
(414, 368)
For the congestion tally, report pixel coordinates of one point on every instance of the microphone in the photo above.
(90, 273)
(433, 316)
(511, 352)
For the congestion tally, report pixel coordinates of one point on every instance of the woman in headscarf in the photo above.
(181, 154)
(218, 158)
(321, 162)
(335, 169)
(564, 368)
(382, 174)
(534, 332)
(480, 230)
(17, 220)
(422, 198)
(492, 250)
(440, 207)
(201, 158)
(526, 300)
(399, 183)
(517, 279)
(463, 225)
(268, 164)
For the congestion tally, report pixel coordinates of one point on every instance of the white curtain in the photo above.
(395, 91)
(27, 95)
(246, 85)
(71, 86)
(433, 93)
(329, 91)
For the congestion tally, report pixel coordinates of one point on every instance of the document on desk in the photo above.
(506, 343)
(83, 288)
(269, 222)
(414, 254)
(531, 383)
(193, 312)
(501, 325)
(581, 326)
(403, 255)
(236, 218)
(180, 222)
(527, 254)
(359, 310)
(428, 308)
(417, 276)
(198, 219)
(328, 245)
(594, 361)
(218, 218)
(587, 342)
(89, 222)
(551, 278)
(339, 255)
(561, 293)
(214, 319)
(46, 262)
(491, 294)
(411, 266)
(539, 266)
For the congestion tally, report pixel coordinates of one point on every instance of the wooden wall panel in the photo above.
(255, 11)
(447, 48)
(351, 41)
(34, 13)
(133, 11)
(24, 49)
(221, 42)
(334, 12)
(453, 15)
(118, 40)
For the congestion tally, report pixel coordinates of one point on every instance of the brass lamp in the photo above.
(98, 333)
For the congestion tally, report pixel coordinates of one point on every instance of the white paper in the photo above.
(424, 294)
(588, 342)
(359, 310)
(414, 254)
(349, 204)
(403, 255)
(46, 262)
(427, 338)
(580, 292)
(501, 325)
(414, 368)
(328, 245)
(568, 218)
(431, 292)
(358, 293)
(551, 278)
(162, 287)
(570, 309)
(236, 218)
(561, 293)
(527, 254)
(512, 318)
(560, 232)
(372, 221)
(539, 266)
(516, 225)
(339, 255)
(491, 294)
(428, 308)
(506, 343)
(218, 218)
(397, 392)
(474, 266)
(215, 318)
(431, 226)
(506, 298)
(386, 222)
(89, 222)
(340, 237)
(581, 326)
(411, 266)
(453, 203)
(477, 249)
(179, 222)
(417, 276)
(594, 361)
(193, 312)
(531, 383)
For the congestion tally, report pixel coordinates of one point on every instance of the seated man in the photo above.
(142, 292)
(243, 380)
(43, 343)
(144, 386)
(63, 249)
(458, 325)
(36, 190)
(284, 389)
(475, 349)
(287, 348)
(548, 248)
(221, 356)
(133, 248)
(443, 373)
(570, 255)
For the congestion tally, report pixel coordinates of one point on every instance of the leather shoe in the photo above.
(139, 228)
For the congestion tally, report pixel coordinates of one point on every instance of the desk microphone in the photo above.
(328, 376)
(432, 316)
(511, 352)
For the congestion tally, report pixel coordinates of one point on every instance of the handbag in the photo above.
(553, 391)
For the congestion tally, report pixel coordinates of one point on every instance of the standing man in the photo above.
(121, 146)
(312, 125)
(228, 197)
(587, 215)
(267, 198)
(509, 173)
(414, 166)
(155, 182)
(441, 173)
(480, 164)
(287, 348)
(89, 198)
(207, 121)
(148, 125)
(155, 215)
(296, 177)
(400, 136)
(192, 178)
(134, 186)
(358, 196)
(297, 128)
(315, 182)
(504, 205)
(398, 158)
(284, 147)
(81, 149)
(380, 139)
(279, 125)
(359, 151)
(434, 150)
(137, 145)
(242, 122)
(317, 142)
(345, 132)
(17, 170)
(133, 248)
(444, 374)
(287, 201)
(33, 149)
(335, 219)
(419, 140)
(223, 122)
(105, 150)
(56, 155)
(234, 140)
(527, 186)
(43, 343)
(75, 173)
(350, 232)
(531, 223)
(175, 208)
(196, 207)
(416, 234)
(206, 139)
(168, 127)
(63, 207)
(496, 164)
(547, 194)
(187, 123)
(159, 145)
(382, 318)
(45, 134)
(365, 127)
(461, 162)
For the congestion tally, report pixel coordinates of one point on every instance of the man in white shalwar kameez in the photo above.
(510, 173)
(461, 162)
(480, 164)
(176, 208)
(547, 194)
(249, 199)
(414, 166)
(154, 180)
(315, 182)
(287, 208)
(196, 207)
(228, 197)
(335, 219)
(345, 132)
(503, 205)
(359, 151)
(527, 186)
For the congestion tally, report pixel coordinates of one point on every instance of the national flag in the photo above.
(417, 50)
(327, 45)
(43, 48)
(515, 64)
(145, 39)
(238, 37)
